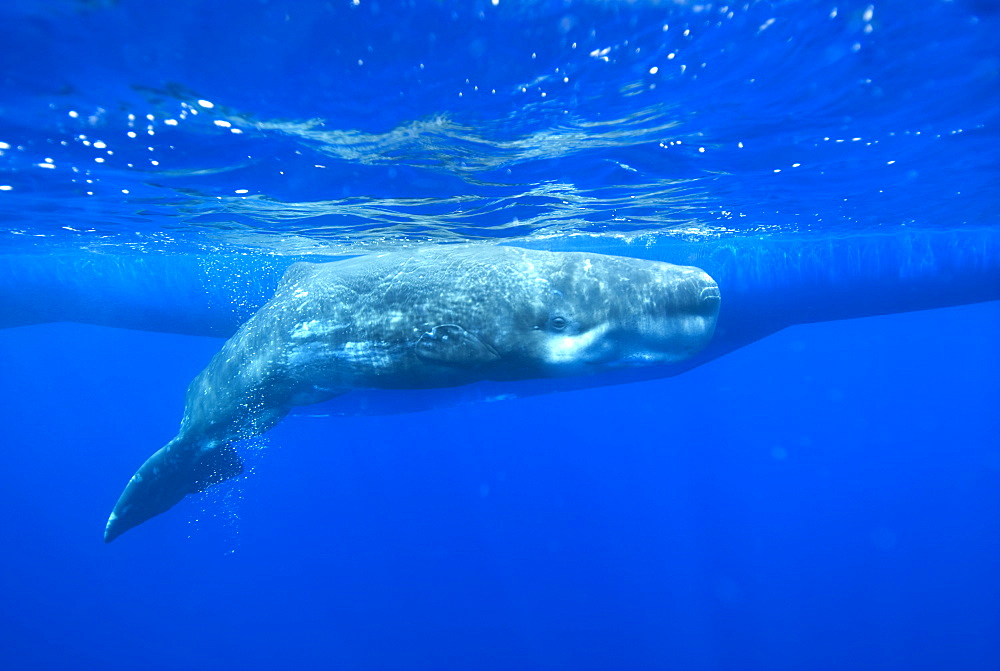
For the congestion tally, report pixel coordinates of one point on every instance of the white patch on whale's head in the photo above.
(570, 349)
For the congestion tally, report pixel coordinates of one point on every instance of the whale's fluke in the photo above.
(173, 472)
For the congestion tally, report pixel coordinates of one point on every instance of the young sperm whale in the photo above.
(435, 317)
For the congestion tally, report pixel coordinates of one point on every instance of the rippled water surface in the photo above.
(290, 125)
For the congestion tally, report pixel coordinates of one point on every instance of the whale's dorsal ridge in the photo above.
(294, 274)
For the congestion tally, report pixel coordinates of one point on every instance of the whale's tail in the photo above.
(174, 471)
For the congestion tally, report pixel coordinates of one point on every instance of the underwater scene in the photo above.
(490, 335)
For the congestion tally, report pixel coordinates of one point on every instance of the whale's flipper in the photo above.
(174, 471)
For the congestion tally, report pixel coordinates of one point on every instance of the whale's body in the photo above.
(434, 317)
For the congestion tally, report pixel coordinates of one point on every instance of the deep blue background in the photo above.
(827, 498)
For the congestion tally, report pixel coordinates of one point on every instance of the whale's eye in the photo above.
(558, 323)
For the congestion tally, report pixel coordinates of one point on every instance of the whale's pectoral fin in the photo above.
(452, 345)
(173, 472)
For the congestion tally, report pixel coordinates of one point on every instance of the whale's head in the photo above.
(584, 313)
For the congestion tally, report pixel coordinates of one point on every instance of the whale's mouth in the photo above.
(638, 358)
(648, 358)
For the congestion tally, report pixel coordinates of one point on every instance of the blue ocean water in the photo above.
(825, 498)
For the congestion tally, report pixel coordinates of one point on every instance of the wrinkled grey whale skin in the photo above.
(435, 317)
